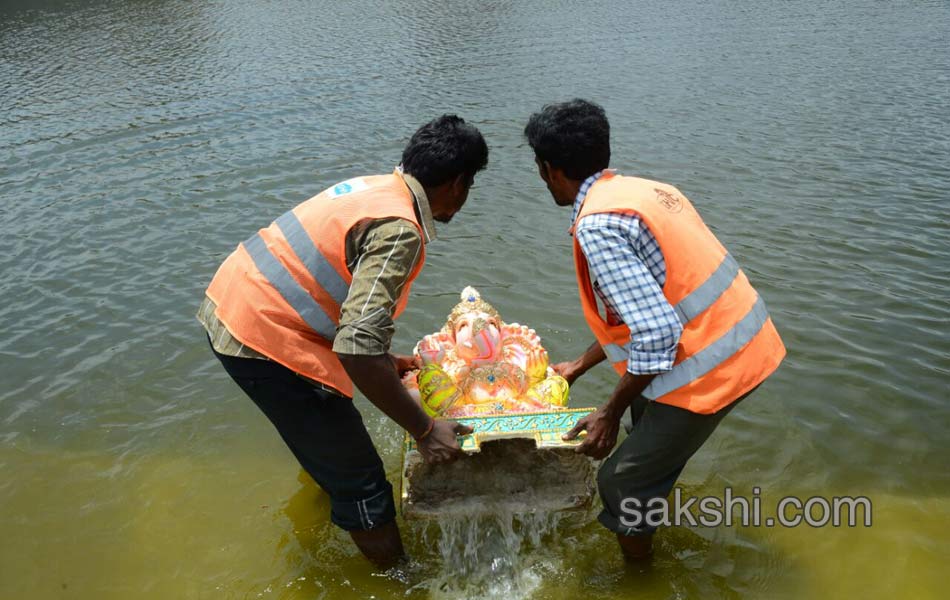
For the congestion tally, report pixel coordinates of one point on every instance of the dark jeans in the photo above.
(649, 461)
(326, 434)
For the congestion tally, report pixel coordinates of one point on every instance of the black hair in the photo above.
(443, 149)
(573, 136)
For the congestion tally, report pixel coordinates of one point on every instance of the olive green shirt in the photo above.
(380, 254)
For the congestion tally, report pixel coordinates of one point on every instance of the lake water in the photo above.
(141, 141)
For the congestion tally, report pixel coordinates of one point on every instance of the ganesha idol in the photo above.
(479, 365)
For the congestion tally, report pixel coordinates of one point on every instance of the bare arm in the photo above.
(631, 292)
(377, 378)
(384, 260)
(572, 369)
(404, 362)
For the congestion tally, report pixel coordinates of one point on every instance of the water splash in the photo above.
(500, 555)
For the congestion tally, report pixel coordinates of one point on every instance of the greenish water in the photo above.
(140, 141)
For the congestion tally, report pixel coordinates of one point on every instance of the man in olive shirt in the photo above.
(319, 423)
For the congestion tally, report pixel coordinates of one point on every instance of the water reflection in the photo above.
(141, 140)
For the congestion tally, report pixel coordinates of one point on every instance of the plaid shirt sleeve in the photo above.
(629, 272)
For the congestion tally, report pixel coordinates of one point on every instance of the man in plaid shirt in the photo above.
(571, 142)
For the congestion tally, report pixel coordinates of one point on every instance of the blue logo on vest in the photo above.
(342, 188)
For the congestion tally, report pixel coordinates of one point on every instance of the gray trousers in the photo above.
(648, 462)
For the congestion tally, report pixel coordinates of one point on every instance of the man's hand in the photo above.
(602, 427)
(441, 444)
(569, 370)
(603, 424)
(404, 363)
(572, 369)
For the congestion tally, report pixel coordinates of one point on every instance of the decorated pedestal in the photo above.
(496, 378)
(513, 462)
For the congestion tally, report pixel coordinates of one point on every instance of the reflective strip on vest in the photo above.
(706, 294)
(317, 264)
(297, 297)
(617, 353)
(711, 356)
(692, 305)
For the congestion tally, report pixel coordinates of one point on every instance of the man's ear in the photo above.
(460, 185)
(554, 174)
(545, 169)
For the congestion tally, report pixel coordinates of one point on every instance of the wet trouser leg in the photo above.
(649, 461)
(326, 434)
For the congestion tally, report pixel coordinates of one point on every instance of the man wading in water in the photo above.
(683, 327)
(303, 310)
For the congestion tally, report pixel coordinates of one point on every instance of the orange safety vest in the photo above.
(280, 291)
(728, 344)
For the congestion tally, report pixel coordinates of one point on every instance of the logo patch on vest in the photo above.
(347, 187)
(669, 201)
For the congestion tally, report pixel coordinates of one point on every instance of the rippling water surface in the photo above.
(140, 141)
